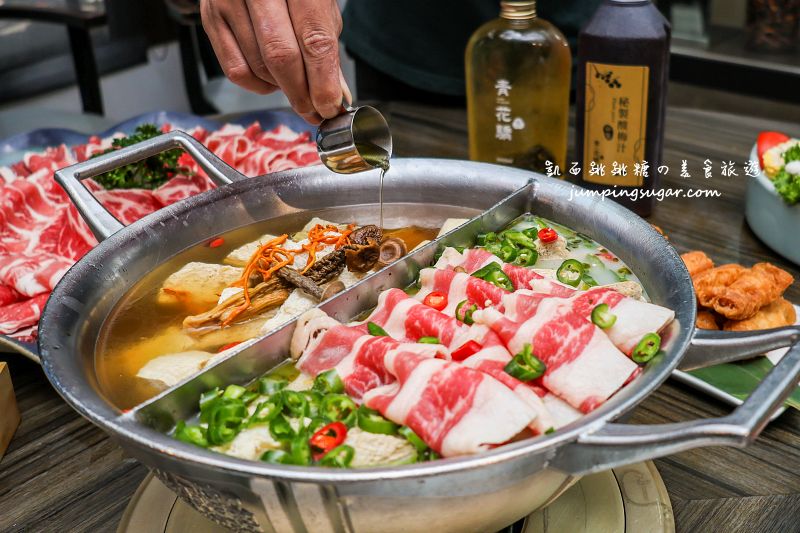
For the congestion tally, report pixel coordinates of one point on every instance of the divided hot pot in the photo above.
(471, 493)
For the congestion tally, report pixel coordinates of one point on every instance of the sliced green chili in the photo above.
(339, 407)
(277, 456)
(500, 279)
(192, 434)
(281, 429)
(428, 340)
(314, 399)
(525, 366)
(413, 438)
(465, 316)
(295, 404)
(316, 423)
(234, 391)
(372, 421)
(328, 381)
(602, 316)
(570, 272)
(519, 238)
(486, 238)
(267, 410)
(486, 270)
(375, 330)
(339, 457)
(493, 248)
(526, 257)
(271, 385)
(299, 449)
(647, 348)
(249, 396)
(225, 417)
(532, 233)
(207, 399)
(508, 251)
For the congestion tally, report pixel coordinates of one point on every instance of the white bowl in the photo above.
(774, 221)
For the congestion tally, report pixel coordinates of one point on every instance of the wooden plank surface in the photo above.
(62, 474)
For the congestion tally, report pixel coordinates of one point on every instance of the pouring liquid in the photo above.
(378, 158)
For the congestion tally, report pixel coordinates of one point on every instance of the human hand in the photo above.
(292, 45)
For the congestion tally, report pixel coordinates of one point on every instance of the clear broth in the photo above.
(140, 329)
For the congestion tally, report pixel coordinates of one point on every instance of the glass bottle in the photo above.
(518, 69)
(623, 71)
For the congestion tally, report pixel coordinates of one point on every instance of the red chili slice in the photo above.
(547, 235)
(466, 349)
(327, 438)
(215, 243)
(436, 299)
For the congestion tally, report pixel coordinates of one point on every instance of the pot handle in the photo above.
(100, 221)
(611, 445)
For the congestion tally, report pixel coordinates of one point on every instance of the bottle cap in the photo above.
(518, 10)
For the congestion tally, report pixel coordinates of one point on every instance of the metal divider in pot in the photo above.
(475, 493)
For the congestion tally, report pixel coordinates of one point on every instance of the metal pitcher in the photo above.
(356, 140)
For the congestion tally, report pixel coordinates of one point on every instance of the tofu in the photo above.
(299, 302)
(303, 233)
(451, 224)
(240, 256)
(250, 443)
(166, 370)
(629, 288)
(197, 286)
(374, 449)
(296, 304)
(553, 250)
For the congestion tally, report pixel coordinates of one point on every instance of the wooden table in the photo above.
(60, 473)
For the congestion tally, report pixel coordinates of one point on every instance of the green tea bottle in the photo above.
(518, 80)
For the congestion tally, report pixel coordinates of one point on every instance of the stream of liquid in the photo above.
(378, 158)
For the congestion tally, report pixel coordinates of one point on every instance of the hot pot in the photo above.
(476, 493)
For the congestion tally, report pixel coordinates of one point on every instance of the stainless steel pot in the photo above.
(477, 493)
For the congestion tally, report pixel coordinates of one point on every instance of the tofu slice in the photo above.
(197, 286)
(240, 256)
(167, 370)
(451, 224)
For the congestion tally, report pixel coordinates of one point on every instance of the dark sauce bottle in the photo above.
(623, 70)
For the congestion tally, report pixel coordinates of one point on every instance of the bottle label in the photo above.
(615, 124)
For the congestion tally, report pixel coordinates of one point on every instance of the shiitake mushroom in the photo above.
(361, 258)
(391, 249)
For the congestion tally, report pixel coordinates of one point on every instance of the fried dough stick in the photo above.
(697, 262)
(710, 284)
(706, 320)
(777, 314)
(755, 288)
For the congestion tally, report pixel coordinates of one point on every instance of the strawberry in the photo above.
(766, 140)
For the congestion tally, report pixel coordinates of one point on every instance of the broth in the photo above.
(140, 328)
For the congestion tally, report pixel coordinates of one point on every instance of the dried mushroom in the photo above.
(361, 258)
(367, 235)
(391, 250)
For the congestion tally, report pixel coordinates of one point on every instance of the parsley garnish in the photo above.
(149, 173)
